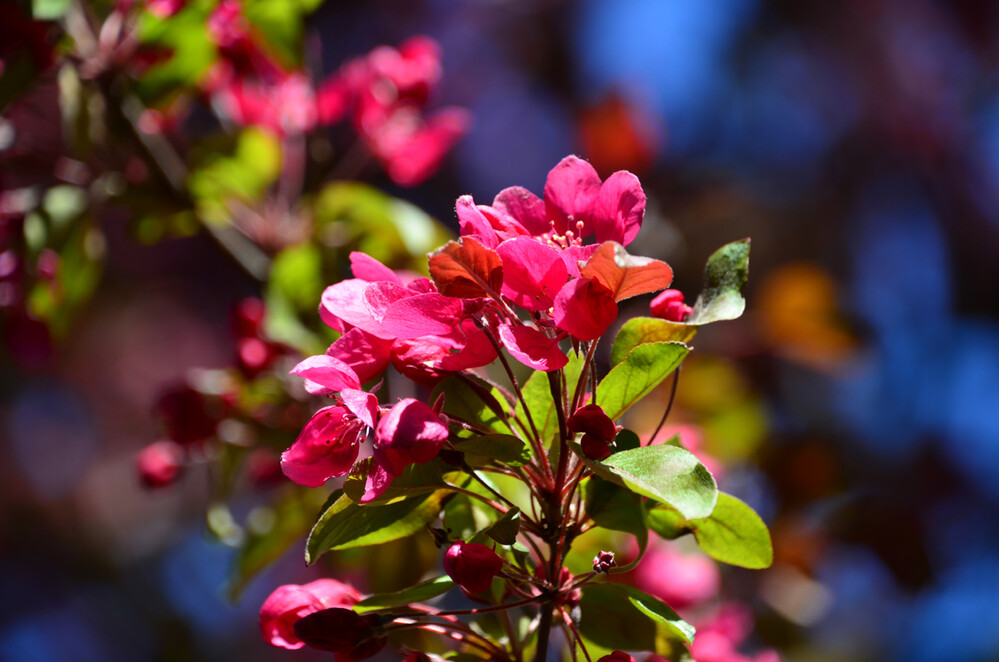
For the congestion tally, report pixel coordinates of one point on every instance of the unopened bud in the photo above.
(472, 565)
(603, 562)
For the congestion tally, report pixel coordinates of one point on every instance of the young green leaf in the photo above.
(640, 372)
(506, 528)
(734, 534)
(667, 522)
(725, 274)
(344, 524)
(407, 596)
(644, 330)
(665, 473)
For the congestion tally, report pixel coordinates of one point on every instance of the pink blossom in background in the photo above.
(159, 464)
(681, 580)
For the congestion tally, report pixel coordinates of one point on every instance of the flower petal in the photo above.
(281, 610)
(362, 404)
(532, 273)
(532, 347)
(367, 268)
(524, 207)
(585, 309)
(326, 447)
(570, 190)
(325, 375)
(619, 208)
(366, 354)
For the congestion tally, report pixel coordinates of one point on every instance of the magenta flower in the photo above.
(326, 447)
(533, 273)
(287, 604)
(585, 309)
(669, 305)
(390, 310)
(472, 566)
(532, 347)
(681, 580)
(410, 433)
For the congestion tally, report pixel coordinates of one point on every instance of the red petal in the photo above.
(324, 448)
(525, 207)
(585, 309)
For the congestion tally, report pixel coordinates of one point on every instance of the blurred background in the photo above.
(854, 405)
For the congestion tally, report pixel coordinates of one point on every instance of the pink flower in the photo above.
(160, 463)
(681, 580)
(532, 347)
(533, 273)
(390, 310)
(585, 309)
(410, 433)
(472, 566)
(289, 603)
(164, 8)
(718, 638)
(326, 447)
(669, 305)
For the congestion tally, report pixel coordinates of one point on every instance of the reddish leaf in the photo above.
(626, 275)
(466, 270)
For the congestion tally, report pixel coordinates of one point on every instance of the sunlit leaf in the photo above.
(725, 274)
(344, 524)
(635, 377)
(644, 330)
(620, 617)
(667, 474)
(505, 529)
(734, 534)
(466, 269)
(419, 593)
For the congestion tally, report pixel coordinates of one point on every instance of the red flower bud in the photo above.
(472, 565)
(345, 632)
(595, 448)
(159, 464)
(603, 562)
(617, 656)
(592, 420)
(669, 305)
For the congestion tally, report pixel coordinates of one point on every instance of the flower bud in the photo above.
(603, 562)
(290, 603)
(617, 656)
(592, 420)
(160, 463)
(472, 565)
(594, 448)
(348, 634)
(669, 305)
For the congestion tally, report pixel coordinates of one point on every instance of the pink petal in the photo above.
(532, 273)
(573, 255)
(532, 347)
(379, 479)
(326, 447)
(570, 191)
(619, 208)
(368, 355)
(333, 99)
(585, 309)
(527, 208)
(281, 610)
(333, 593)
(421, 315)
(325, 375)
(413, 429)
(344, 301)
(473, 223)
(362, 404)
(368, 268)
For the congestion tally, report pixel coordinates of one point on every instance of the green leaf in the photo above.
(506, 528)
(614, 507)
(644, 330)
(626, 440)
(725, 274)
(415, 479)
(297, 275)
(635, 377)
(243, 175)
(734, 534)
(667, 522)
(419, 593)
(538, 396)
(667, 474)
(48, 10)
(344, 524)
(620, 617)
(503, 448)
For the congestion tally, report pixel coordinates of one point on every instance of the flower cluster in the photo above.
(384, 94)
